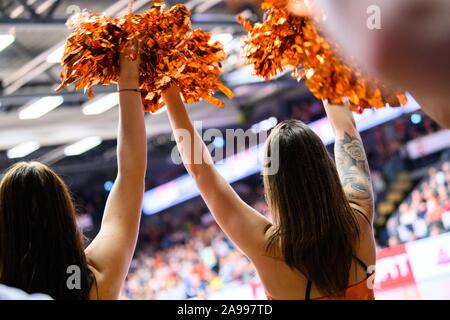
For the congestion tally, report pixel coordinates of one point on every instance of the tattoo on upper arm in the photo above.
(353, 169)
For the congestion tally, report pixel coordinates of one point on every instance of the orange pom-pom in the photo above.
(170, 51)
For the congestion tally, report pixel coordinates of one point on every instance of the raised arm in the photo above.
(242, 224)
(110, 254)
(351, 160)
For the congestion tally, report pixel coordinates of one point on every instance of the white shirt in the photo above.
(7, 293)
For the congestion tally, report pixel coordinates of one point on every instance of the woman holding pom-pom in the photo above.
(41, 247)
(320, 244)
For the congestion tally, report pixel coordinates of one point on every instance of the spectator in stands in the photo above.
(393, 241)
(446, 171)
(436, 228)
(421, 209)
(434, 209)
(407, 215)
(379, 184)
(41, 247)
(444, 199)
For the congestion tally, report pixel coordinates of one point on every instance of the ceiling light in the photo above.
(20, 9)
(44, 6)
(6, 40)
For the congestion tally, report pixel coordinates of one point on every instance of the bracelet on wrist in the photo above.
(129, 90)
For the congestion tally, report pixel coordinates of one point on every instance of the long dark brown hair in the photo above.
(39, 237)
(315, 228)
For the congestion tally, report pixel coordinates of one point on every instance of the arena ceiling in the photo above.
(32, 32)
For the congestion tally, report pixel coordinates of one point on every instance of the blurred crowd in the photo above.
(426, 212)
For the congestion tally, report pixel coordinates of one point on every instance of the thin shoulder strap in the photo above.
(308, 290)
